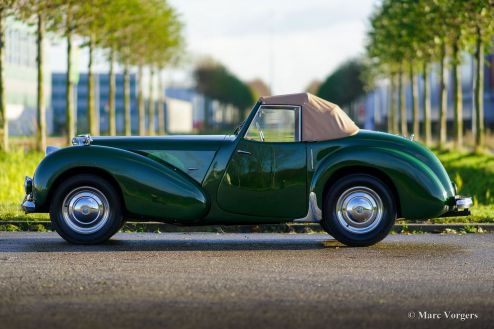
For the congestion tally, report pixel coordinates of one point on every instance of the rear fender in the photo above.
(149, 189)
(420, 192)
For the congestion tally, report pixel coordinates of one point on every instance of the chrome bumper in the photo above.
(27, 203)
(461, 207)
(463, 202)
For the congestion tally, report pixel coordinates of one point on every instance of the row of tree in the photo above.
(134, 33)
(407, 36)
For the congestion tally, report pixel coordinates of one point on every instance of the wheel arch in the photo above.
(353, 170)
(88, 171)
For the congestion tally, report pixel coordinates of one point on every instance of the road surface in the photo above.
(207, 280)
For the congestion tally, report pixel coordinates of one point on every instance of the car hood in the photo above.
(173, 142)
(191, 154)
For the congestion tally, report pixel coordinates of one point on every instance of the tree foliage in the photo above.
(217, 82)
(344, 85)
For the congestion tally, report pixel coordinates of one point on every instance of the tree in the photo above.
(5, 10)
(151, 107)
(215, 81)
(260, 88)
(481, 27)
(38, 12)
(344, 85)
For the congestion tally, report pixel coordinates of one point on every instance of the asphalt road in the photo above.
(197, 280)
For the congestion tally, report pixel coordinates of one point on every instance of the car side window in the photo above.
(275, 124)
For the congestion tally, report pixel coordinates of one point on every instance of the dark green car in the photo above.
(296, 158)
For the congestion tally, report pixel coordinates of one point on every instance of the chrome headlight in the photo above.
(82, 140)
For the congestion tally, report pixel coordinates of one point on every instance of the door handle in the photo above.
(243, 152)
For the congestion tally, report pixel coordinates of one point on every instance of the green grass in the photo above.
(474, 176)
(473, 173)
(14, 166)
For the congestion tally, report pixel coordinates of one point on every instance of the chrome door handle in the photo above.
(243, 152)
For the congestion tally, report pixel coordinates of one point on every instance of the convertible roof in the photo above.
(321, 120)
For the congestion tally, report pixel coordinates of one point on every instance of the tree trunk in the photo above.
(70, 92)
(112, 127)
(161, 106)
(140, 103)
(402, 104)
(443, 98)
(392, 105)
(126, 93)
(206, 122)
(151, 107)
(4, 127)
(426, 102)
(457, 96)
(478, 88)
(91, 109)
(415, 102)
(40, 100)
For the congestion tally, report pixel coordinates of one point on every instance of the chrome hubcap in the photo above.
(359, 209)
(85, 210)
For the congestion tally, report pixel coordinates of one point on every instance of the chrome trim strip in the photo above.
(244, 152)
(311, 159)
(314, 214)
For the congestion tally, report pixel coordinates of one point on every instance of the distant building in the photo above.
(186, 110)
(21, 79)
(371, 111)
(101, 84)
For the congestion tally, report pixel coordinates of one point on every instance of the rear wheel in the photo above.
(86, 209)
(359, 210)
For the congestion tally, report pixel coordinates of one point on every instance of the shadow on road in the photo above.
(167, 243)
(46, 242)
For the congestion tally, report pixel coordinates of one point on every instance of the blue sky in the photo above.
(285, 43)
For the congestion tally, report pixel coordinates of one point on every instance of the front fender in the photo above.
(420, 192)
(149, 189)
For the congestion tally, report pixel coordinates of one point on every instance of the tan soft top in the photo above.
(321, 120)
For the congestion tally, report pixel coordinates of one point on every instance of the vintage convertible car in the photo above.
(295, 158)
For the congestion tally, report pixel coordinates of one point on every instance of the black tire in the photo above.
(92, 212)
(356, 224)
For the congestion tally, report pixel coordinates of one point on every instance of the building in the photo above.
(21, 79)
(101, 83)
(186, 110)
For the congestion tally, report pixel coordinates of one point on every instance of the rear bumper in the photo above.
(27, 203)
(461, 207)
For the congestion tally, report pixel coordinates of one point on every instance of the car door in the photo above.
(267, 174)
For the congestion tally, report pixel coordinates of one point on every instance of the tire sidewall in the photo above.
(330, 220)
(115, 213)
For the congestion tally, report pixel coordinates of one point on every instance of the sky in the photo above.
(286, 43)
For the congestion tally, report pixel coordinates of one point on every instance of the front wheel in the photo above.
(86, 209)
(359, 210)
